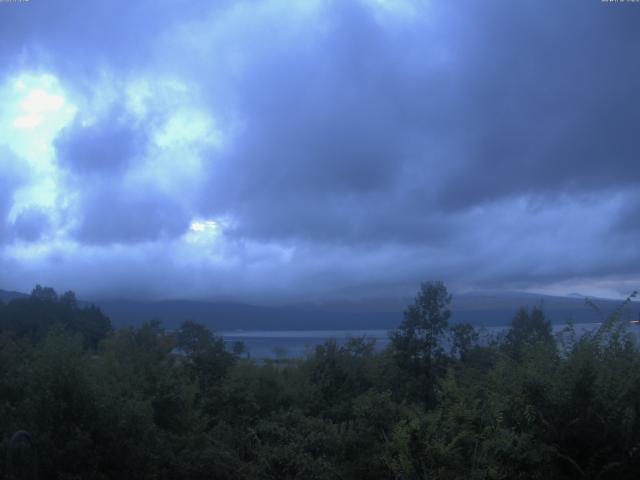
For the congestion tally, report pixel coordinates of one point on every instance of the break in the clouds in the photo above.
(320, 149)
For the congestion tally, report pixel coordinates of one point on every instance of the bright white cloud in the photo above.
(34, 111)
(203, 226)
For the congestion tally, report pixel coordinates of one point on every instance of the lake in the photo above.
(297, 343)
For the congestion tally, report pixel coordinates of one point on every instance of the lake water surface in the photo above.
(297, 343)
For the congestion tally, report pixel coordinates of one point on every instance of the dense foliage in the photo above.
(151, 404)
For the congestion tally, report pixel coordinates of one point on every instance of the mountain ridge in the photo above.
(479, 309)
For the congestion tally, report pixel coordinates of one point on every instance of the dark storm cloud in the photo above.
(128, 214)
(31, 224)
(627, 219)
(12, 175)
(107, 146)
(79, 38)
(548, 98)
(111, 209)
(325, 155)
(371, 131)
(5, 204)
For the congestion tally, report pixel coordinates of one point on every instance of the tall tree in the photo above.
(528, 328)
(417, 343)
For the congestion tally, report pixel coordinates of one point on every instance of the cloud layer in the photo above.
(286, 151)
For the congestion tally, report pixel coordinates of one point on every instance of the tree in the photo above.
(528, 329)
(32, 317)
(194, 338)
(46, 294)
(208, 358)
(69, 300)
(463, 339)
(416, 344)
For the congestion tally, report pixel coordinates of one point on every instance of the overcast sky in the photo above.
(293, 150)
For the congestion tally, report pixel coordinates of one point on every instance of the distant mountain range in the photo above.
(480, 309)
(6, 296)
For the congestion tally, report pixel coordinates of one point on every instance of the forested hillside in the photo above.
(145, 403)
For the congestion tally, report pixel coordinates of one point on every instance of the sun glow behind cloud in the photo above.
(35, 109)
(203, 226)
(35, 106)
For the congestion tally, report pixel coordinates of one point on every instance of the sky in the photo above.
(277, 151)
